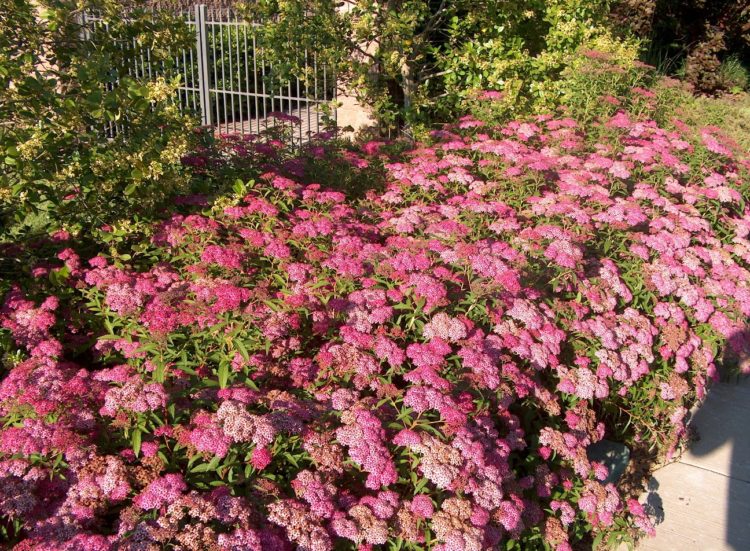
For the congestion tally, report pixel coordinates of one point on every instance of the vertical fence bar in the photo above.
(265, 96)
(255, 83)
(223, 87)
(334, 100)
(194, 82)
(299, 108)
(239, 76)
(230, 47)
(215, 62)
(247, 84)
(289, 104)
(83, 23)
(315, 90)
(149, 64)
(185, 80)
(202, 55)
(272, 96)
(307, 94)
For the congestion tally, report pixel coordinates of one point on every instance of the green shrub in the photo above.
(416, 62)
(83, 143)
(734, 75)
(524, 55)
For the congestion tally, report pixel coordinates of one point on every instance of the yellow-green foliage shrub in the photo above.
(83, 143)
(528, 56)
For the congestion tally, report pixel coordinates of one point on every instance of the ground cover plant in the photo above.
(422, 367)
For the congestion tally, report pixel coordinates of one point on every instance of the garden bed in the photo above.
(421, 367)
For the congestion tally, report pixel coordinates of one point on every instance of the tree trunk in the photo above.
(408, 84)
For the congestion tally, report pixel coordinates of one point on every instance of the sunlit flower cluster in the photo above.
(428, 365)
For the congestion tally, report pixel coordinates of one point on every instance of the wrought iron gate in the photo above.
(227, 82)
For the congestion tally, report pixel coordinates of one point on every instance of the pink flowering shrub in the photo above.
(423, 368)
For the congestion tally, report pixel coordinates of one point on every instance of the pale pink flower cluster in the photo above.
(363, 434)
(242, 426)
(444, 327)
(134, 396)
(161, 492)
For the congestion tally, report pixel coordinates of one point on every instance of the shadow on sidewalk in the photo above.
(724, 420)
(721, 448)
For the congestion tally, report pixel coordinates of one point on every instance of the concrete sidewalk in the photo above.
(702, 502)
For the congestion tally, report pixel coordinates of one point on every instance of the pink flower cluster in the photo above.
(428, 364)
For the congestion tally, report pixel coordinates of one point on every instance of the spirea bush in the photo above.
(422, 368)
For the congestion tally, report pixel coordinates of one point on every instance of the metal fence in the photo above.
(228, 83)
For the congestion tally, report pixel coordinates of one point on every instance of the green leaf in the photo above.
(135, 440)
(291, 459)
(94, 97)
(223, 374)
(243, 350)
(421, 484)
(58, 277)
(206, 467)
